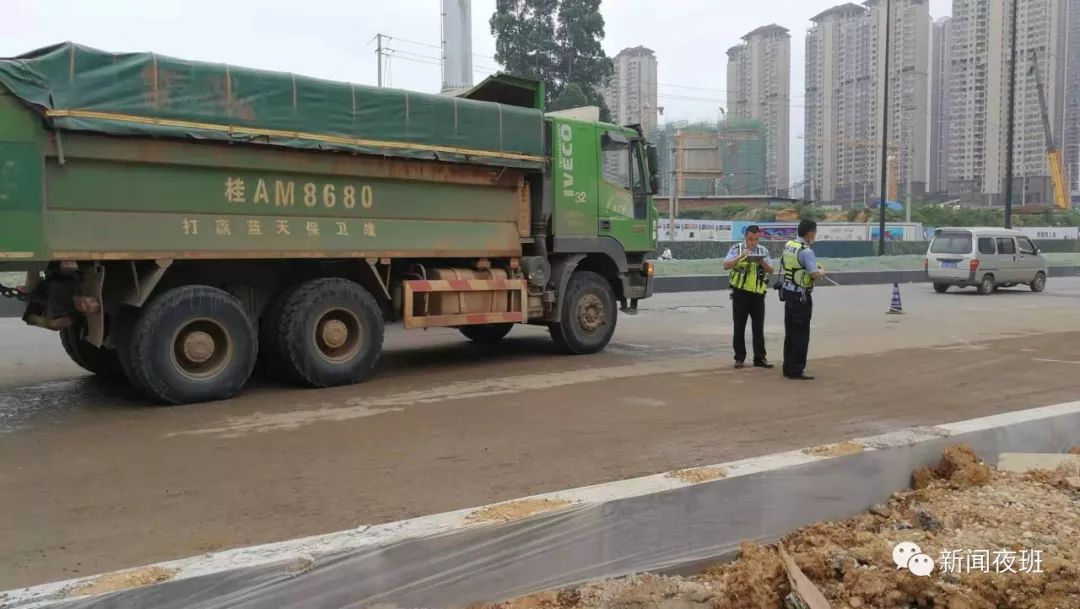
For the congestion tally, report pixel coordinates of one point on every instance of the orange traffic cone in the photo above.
(895, 308)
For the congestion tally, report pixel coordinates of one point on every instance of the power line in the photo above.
(392, 54)
(710, 89)
(411, 54)
(434, 46)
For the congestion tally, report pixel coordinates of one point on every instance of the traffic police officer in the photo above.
(749, 280)
(800, 269)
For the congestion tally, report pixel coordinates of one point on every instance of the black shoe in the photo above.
(801, 377)
(739, 364)
(762, 363)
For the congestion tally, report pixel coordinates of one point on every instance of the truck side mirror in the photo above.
(654, 184)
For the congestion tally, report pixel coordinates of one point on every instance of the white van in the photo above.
(986, 258)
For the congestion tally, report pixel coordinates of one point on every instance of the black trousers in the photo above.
(743, 305)
(797, 313)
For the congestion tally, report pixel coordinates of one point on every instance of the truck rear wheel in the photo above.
(486, 333)
(192, 344)
(326, 332)
(98, 360)
(588, 315)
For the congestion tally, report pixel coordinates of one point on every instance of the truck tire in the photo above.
(98, 360)
(486, 334)
(588, 315)
(987, 285)
(941, 288)
(191, 344)
(327, 332)
(267, 364)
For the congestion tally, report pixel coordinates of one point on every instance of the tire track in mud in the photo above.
(355, 408)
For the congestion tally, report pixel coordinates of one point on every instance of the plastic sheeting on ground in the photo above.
(628, 532)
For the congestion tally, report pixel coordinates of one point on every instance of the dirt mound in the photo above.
(515, 510)
(959, 466)
(123, 580)
(835, 450)
(1010, 541)
(695, 475)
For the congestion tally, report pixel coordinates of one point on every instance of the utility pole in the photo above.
(379, 55)
(676, 180)
(885, 131)
(673, 188)
(1009, 132)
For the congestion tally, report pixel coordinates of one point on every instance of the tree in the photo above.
(525, 38)
(580, 57)
(571, 97)
(557, 42)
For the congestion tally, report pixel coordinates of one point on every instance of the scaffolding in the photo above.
(726, 158)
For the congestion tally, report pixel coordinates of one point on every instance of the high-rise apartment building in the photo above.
(631, 93)
(979, 50)
(1072, 98)
(939, 106)
(759, 87)
(845, 62)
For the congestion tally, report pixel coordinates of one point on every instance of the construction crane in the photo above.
(1053, 153)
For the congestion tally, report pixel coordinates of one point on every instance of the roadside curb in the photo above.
(703, 283)
(658, 523)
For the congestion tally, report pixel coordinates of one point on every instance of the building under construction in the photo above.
(709, 159)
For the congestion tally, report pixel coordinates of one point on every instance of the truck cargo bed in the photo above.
(83, 89)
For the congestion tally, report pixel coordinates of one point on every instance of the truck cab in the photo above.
(602, 188)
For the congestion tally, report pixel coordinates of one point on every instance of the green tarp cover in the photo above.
(143, 94)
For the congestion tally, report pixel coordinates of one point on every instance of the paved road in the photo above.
(93, 479)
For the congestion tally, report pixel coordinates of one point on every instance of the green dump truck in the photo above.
(181, 222)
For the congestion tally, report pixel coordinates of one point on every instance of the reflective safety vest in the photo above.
(748, 276)
(794, 271)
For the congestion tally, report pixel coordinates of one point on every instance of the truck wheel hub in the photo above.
(338, 335)
(591, 313)
(198, 347)
(335, 333)
(202, 348)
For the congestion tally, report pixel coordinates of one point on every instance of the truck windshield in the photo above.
(951, 243)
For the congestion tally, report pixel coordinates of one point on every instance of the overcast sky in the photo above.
(333, 38)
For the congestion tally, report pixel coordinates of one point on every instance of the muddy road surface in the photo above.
(94, 479)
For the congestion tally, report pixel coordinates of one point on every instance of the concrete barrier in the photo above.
(654, 523)
(702, 283)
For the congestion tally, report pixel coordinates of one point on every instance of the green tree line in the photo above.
(558, 42)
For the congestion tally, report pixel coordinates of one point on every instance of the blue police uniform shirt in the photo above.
(809, 262)
(759, 250)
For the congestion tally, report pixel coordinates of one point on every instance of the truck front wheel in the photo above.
(192, 344)
(98, 360)
(587, 315)
(326, 332)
